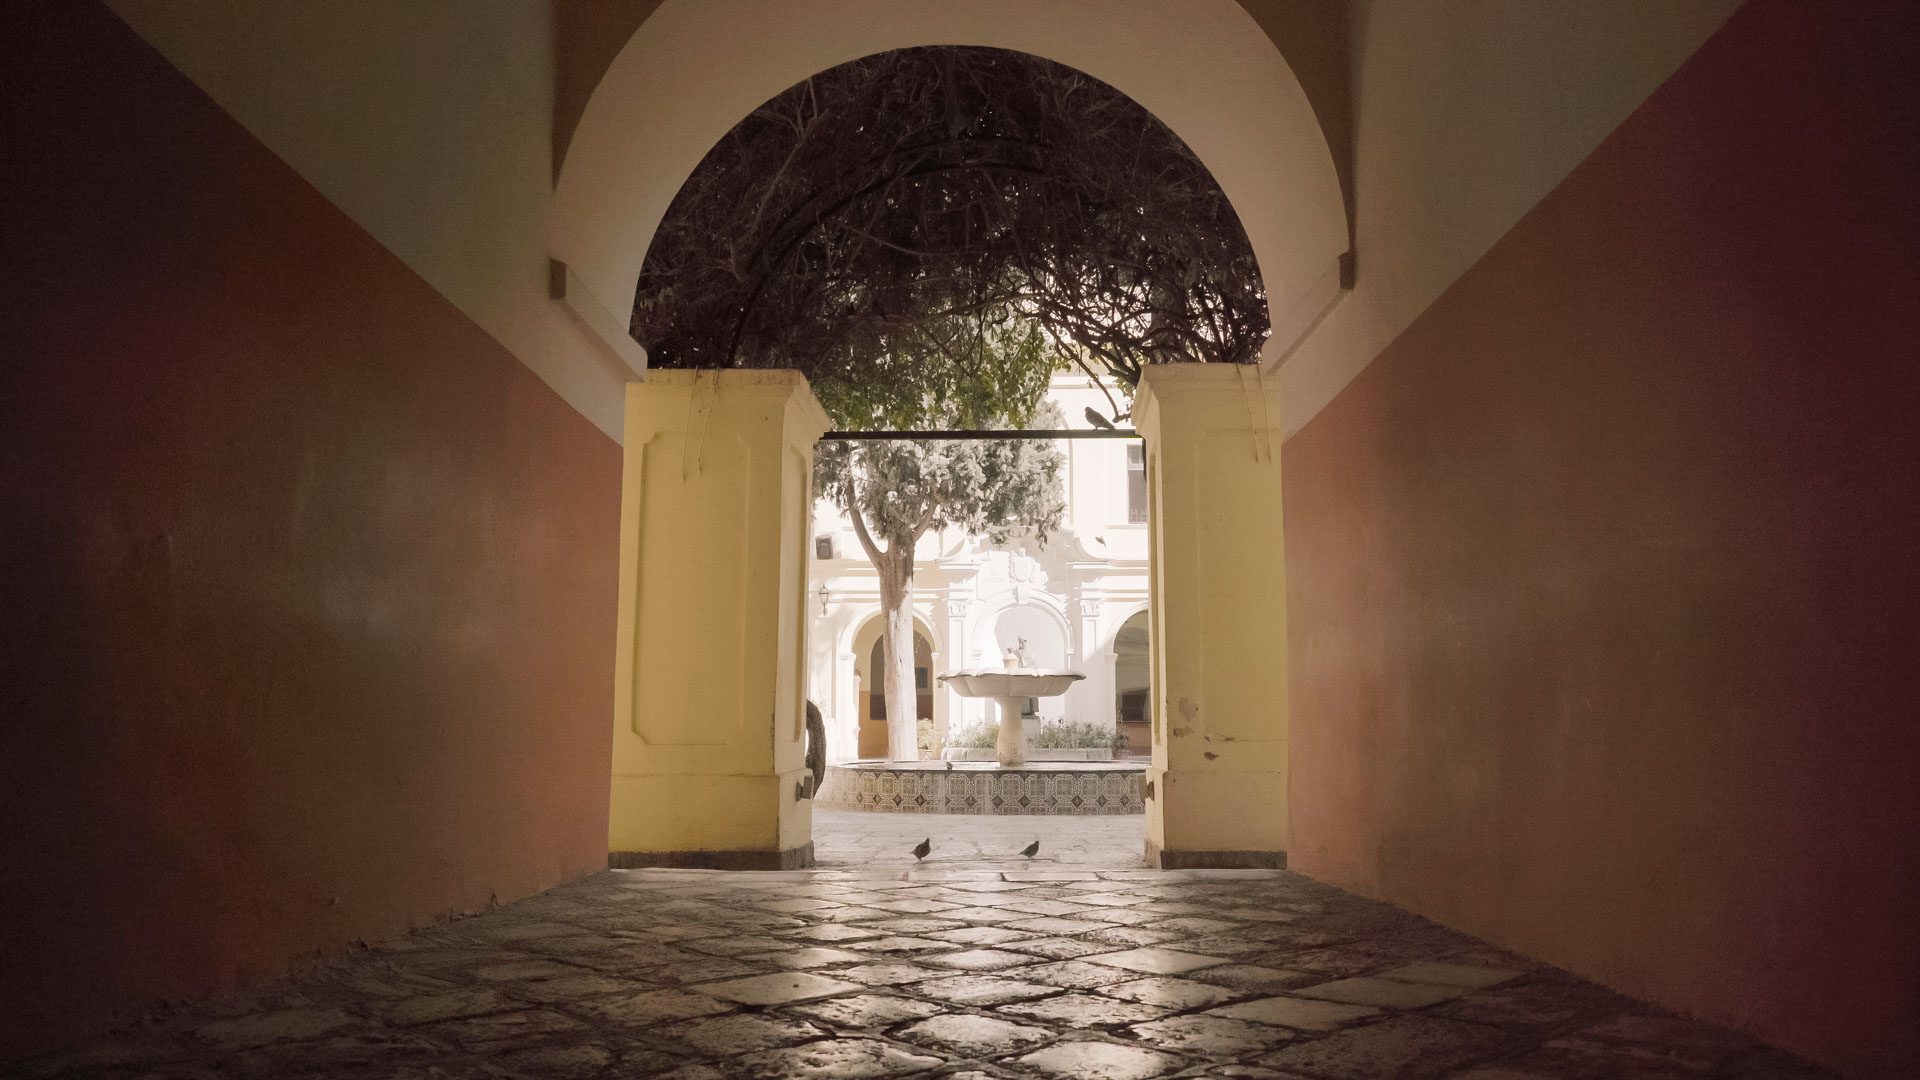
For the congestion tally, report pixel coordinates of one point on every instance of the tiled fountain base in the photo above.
(931, 788)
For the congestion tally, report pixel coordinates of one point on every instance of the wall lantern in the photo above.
(825, 598)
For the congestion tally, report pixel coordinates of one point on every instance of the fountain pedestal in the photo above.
(1011, 746)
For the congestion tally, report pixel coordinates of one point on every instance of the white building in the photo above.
(1080, 602)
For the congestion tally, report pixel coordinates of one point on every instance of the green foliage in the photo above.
(912, 382)
(984, 737)
(924, 735)
(1076, 735)
(1053, 735)
(904, 487)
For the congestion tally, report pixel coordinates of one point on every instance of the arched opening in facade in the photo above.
(1133, 685)
(851, 695)
(871, 739)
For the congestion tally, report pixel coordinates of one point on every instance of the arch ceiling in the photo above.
(696, 67)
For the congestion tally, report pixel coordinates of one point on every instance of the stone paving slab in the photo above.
(978, 843)
(706, 975)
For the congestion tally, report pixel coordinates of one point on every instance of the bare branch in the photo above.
(880, 226)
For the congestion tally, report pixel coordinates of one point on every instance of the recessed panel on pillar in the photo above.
(691, 593)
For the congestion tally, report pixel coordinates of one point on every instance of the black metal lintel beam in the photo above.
(977, 434)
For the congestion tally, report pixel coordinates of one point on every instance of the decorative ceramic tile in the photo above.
(1032, 790)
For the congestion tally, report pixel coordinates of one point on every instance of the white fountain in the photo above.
(1011, 685)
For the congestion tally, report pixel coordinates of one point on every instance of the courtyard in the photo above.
(974, 962)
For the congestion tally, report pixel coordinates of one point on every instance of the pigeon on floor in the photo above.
(920, 851)
(1031, 849)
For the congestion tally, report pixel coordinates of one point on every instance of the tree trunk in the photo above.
(895, 565)
(896, 606)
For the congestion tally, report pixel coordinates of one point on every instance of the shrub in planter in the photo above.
(984, 737)
(1075, 735)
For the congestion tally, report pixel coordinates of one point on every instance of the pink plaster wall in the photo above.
(307, 586)
(1603, 577)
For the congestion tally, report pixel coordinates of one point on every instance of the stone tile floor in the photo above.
(849, 839)
(959, 967)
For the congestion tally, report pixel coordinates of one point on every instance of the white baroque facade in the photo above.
(1079, 601)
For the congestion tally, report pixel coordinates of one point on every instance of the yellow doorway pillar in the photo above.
(709, 733)
(1218, 601)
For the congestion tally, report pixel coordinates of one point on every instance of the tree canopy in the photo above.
(929, 233)
(896, 490)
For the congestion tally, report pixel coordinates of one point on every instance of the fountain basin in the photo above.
(1011, 687)
(1011, 682)
(1076, 753)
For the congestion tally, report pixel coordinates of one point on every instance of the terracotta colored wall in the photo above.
(306, 585)
(1603, 577)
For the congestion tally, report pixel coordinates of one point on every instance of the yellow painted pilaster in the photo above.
(709, 733)
(1218, 597)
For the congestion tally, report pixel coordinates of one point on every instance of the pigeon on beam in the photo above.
(1098, 420)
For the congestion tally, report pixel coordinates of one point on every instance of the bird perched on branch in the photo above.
(1097, 420)
(922, 849)
(1031, 849)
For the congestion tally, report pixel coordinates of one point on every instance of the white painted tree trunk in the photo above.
(902, 696)
(895, 565)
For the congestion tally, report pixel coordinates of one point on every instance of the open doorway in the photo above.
(872, 732)
(1132, 686)
(934, 339)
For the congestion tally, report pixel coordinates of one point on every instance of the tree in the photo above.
(928, 234)
(895, 491)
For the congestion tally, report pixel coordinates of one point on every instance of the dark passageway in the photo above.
(1590, 387)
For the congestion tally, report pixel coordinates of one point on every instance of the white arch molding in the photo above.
(1110, 665)
(1110, 642)
(989, 615)
(695, 68)
(861, 616)
(855, 632)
